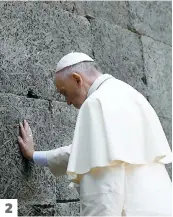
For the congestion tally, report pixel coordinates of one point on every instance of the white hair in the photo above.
(86, 68)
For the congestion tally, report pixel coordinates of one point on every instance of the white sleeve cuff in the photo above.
(40, 158)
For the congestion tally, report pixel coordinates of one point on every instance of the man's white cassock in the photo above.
(118, 154)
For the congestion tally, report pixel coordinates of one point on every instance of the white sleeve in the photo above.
(40, 158)
(57, 160)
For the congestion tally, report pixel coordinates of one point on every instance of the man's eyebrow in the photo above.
(62, 91)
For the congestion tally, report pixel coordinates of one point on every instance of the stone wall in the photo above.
(130, 40)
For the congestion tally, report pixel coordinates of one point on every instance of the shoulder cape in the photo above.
(116, 123)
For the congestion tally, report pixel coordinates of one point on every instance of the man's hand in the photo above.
(25, 140)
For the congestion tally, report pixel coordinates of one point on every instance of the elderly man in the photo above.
(119, 148)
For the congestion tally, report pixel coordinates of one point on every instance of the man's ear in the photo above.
(78, 79)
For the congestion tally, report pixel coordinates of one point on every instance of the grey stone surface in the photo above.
(68, 209)
(157, 58)
(34, 36)
(64, 117)
(50, 129)
(64, 191)
(169, 169)
(37, 210)
(113, 12)
(119, 52)
(167, 127)
(21, 179)
(31, 184)
(152, 18)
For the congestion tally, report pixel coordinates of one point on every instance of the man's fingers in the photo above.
(22, 130)
(21, 142)
(30, 131)
(27, 128)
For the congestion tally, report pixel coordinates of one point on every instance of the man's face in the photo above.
(72, 88)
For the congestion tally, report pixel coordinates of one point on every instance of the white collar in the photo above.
(98, 82)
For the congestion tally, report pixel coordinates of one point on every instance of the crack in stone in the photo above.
(67, 201)
(43, 206)
(132, 29)
(93, 53)
(50, 107)
(148, 98)
(144, 79)
(31, 94)
(89, 17)
(39, 98)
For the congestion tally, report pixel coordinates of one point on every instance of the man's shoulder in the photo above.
(91, 99)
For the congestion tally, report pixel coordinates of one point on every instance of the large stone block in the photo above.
(157, 58)
(119, 52)
(52, 124)
(68, 209)
(34, 36)
(152, 18)
(113, 12)
(18, 178)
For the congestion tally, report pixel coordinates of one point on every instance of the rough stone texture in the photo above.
(129, 40)
(68, 209)
(37, 210)
(34, 35)
(64, 118)
(37, 185)
(157, 59)
(157, 62)
(22, 180)
(152, 19)
(167, 127)
(115, 13)
(64, 191)
(119, 52)
(169, 169)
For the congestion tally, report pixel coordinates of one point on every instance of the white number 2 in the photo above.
(9, 209)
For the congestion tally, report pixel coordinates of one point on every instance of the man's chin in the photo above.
(77, 106)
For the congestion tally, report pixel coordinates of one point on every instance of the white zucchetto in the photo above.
(72, 59)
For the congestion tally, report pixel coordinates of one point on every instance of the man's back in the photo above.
(116, 123)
